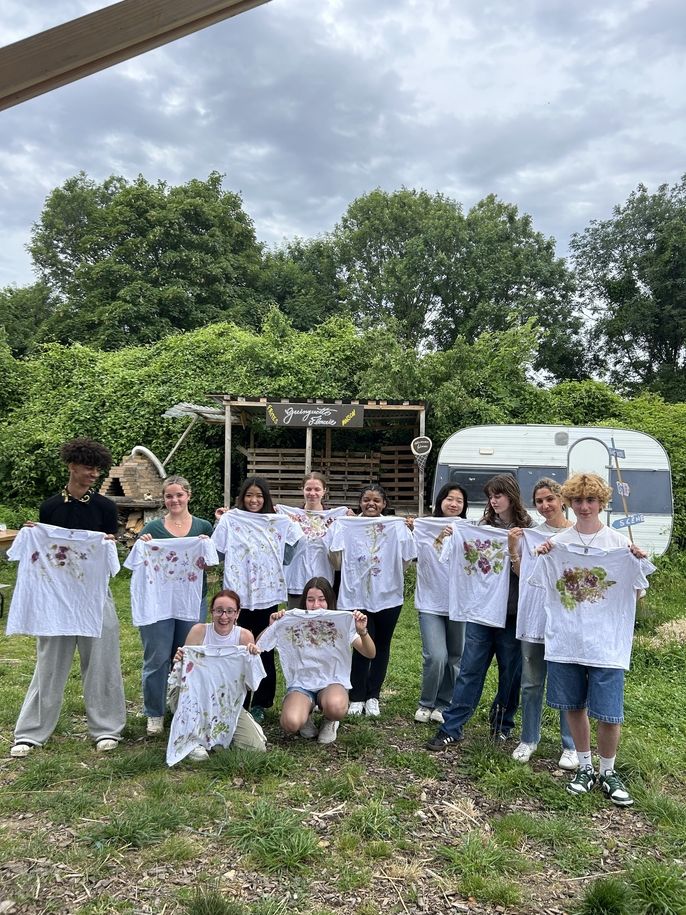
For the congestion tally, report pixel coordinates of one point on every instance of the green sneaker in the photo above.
(612, 785)
(258, 713)
(583, 781)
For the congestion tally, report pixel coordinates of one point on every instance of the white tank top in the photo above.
(214, 640)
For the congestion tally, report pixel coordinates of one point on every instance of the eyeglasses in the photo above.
(223, 612)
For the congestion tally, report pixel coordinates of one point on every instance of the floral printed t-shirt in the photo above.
(311, 557)
(590, 602)
(314, 647)
(431, 592)
(62, 581)
(531, 613)
(374, 550)
(479, 570)
(253, 547)
(212, 686)
(168, 577)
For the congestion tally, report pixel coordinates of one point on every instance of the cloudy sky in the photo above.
(559, 106)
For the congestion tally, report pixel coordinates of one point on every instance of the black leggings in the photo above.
(256, 621)
(367, 676)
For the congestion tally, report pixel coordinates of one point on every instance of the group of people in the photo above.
(504, 588)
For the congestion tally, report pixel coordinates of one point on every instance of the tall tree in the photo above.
(23, 309)
(133, 262)
(632, 272)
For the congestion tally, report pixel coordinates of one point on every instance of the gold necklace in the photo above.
(585, 545)
(85, 498)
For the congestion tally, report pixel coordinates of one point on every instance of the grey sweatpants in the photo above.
(103, 687)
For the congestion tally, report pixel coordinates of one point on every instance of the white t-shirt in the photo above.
(167, 577)
(314, 647)
(212, 686)
(62, 581)
(373, 552)
(254, 547)
(590, 602)
(479, 570)
(433, 580)
(531, 608)
(311, 556)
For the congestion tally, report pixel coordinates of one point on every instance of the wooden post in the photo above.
(227, 454)
(308, 450)
(420, 500)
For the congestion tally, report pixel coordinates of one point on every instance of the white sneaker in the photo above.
(569, 760)
(106, 744)
(423, 714)
(437, 716)
(21, 750)
(355, 708)
(309, 729)
(371, 708)
(524, 752)
(199, 754)
(328, 731)
(155, 726)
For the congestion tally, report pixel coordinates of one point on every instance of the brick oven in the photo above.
(135, 485)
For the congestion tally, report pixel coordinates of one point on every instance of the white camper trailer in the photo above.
(472, 456)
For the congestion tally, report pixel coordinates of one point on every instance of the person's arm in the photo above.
(514, 547)
(364, 642)
(196, 636)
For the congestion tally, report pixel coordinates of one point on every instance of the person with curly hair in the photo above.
(77, 507)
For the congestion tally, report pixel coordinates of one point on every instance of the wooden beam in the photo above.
(101, 39)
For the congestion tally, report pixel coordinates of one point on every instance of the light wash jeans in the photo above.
(442, 647)
(533, 683)
(482, 643)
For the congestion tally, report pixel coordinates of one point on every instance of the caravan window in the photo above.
(473, 479)
(527, 477)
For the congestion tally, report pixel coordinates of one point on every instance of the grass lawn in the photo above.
(371, 824)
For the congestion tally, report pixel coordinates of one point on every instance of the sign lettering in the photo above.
(319, 415)
(628, 521)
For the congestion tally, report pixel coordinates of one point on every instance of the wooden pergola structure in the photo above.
(347, 471)
(101, 39)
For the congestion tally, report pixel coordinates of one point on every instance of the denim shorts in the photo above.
(306, 692)
(598, 689)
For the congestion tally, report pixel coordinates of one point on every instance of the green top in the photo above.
(158, 531)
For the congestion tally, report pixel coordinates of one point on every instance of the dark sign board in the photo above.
(317, 415)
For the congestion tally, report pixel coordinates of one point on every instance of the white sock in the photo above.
(607, 764)
(585, 759)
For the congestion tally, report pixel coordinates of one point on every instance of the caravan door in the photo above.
(589, 455)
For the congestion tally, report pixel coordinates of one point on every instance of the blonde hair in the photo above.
(586, 486)
(546, 483)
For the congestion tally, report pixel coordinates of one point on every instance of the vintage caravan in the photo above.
(473, 455)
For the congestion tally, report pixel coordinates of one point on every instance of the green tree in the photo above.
(132, 262)
(632, 272)
(23, 309)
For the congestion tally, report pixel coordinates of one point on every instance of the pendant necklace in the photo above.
(585, 545)
(85, 498)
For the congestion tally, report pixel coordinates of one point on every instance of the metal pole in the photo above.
(227, 455)
(420, 501)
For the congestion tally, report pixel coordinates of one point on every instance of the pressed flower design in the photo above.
(62, 556)
(313, 634)
(254, 551)
(369, 561)
(484, 556)
(583, 586)
(168, 564)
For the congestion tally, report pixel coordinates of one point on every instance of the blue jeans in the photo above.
(533, 682)
(160, 641)
(600, 690)
(442, 646)
(482, 643)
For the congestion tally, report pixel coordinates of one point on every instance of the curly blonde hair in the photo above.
(586, 486)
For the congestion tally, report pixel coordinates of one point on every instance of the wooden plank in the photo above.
(101, 39)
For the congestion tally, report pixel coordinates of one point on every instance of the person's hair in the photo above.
(87, 452)
(443, 494)
(226, 592)
(374, 487)
(586, 486)
(176, 481)
(324, 586)
(546, 483)
(505, 484)
(263, 486)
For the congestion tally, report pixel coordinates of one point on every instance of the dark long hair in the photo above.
(324, 586)
(263, 486)
(442, 494)
(505, 484)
